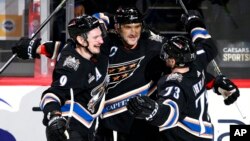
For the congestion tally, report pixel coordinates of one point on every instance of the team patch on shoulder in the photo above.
(71, 62)
(155, 37)
(174, 76)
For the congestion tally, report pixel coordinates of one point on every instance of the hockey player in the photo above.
(79, 82)
(131, 51)
(131, 45)
(180, 110)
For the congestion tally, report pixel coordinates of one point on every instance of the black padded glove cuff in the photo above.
(192, 20)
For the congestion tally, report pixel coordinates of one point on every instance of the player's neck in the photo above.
(128, 46)
(180, 70)
(84, 53)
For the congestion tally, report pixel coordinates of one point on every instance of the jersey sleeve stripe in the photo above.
(49, 97)
(173, 115)
(193, 126)
(199, 33)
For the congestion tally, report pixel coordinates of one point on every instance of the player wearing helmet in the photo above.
(79, 82)
(180, 110)
(134, 62)
(130, 51)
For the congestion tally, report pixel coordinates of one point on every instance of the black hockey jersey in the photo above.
(127, 78)
(182, 99)
(88, 81)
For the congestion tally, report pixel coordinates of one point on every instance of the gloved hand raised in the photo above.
(192, 20)
(104, 22)
(56, 129)
(142, 107)
(102, 17)
(26, 48)
(223, 86)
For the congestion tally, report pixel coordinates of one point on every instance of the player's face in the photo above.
(95, 40)
(130, 34)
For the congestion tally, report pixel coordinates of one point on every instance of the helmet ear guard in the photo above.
(180, 48)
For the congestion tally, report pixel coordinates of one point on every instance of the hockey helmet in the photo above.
(81, 25)
(180, 48)
(128, 15)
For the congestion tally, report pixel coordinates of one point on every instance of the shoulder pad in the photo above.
(174, 77)
(156, 37)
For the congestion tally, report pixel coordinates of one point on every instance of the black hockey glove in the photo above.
(192, 20)
(56, 129)
(223, 86)
(142, 107)
(26, 48)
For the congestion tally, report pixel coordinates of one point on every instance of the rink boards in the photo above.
(19, 123)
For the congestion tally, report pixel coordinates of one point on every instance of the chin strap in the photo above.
(93, 57)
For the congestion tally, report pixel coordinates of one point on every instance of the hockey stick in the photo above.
(216, 67)
(59, 7)
(71, 109)
(71, 106)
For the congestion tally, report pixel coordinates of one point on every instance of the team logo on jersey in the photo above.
(174, 76)
(71, 62)
(97, 94)
(122, 71)
(155, 37)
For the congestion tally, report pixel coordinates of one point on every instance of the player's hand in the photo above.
(192, 20)
(104, 22)
(56, 129)
(26, 48)
(142, 107)
(224, 86)
(103, 18)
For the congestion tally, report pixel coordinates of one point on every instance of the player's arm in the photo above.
(54, 97)
(52, 100)
(201, 38)
(27, 48)
(55, 123)
(164, 112)
(53, 120)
